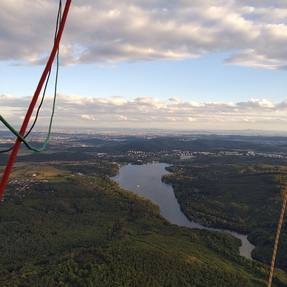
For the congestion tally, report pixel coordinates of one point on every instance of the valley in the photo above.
(65, 222)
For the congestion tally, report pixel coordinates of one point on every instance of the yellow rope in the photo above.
(277, 238)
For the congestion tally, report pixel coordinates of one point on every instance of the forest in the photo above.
(240, 195)
(64, 222)
(72, 230)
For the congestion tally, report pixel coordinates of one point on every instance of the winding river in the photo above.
(145, 180)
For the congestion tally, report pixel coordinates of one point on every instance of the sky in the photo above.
(178, 64)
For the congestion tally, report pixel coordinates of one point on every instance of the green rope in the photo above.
(23, 138)
(46, 142)
(59, 18)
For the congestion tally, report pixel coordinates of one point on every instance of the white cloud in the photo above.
(254, 33)
(76, 111)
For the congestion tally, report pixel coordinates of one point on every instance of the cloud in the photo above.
(253, 33)
(147, 112)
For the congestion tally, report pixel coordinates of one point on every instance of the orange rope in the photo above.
(276, 243)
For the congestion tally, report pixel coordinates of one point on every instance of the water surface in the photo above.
(145, 180)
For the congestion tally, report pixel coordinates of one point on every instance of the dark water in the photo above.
(145, 180)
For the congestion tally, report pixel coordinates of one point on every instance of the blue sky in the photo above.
(205, 79)
(197, 64)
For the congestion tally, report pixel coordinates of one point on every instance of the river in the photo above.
(145, 180)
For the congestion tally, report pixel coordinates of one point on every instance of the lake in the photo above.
(146, 181)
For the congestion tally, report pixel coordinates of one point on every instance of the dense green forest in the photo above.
(72, 230)
(240, 195)
(65, 223)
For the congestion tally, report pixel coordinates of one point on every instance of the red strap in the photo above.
(13, 155)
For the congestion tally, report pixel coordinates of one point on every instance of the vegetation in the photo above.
(65, 223)
(240, 196)
(98, 167)
(71, 230)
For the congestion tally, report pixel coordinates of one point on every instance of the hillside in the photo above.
(239, 195)
(71, 230)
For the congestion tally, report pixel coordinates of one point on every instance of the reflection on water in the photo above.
(145, 180)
